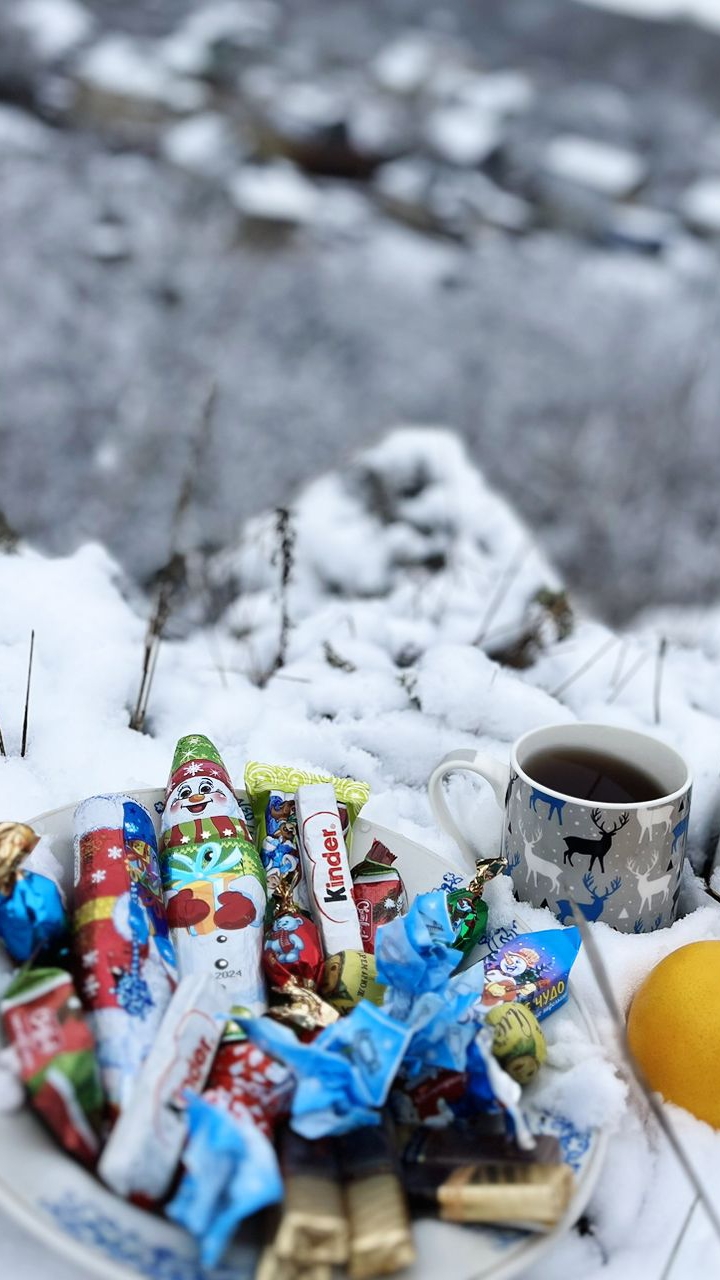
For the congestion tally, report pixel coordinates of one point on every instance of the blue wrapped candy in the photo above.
(231, 1171)
(344, 1075)
(32, 913)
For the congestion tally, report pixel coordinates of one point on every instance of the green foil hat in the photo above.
(196, 755)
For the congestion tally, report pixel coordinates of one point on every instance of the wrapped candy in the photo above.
(43, 1020)
(245, 1079)
(531, 968)
(212, 875)
(144, 1148)
(32, 910)
(124, 959)
(378, 891)
(231, 1171)
(348, 978)
(380, 1236)
(326, 868)
(292, 951)
(271, 789)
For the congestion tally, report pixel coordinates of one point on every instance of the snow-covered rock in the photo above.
(462, 134)
(204, 144)
(274, 193)
(700, 206)
(21, 134)
(404, 65)
(126, 78)
(197, 46)
(54, 27)
(609, 171)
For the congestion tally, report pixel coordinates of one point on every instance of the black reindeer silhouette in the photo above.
(596, 848)
(591, 910)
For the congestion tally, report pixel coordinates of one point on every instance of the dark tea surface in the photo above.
(592, 775)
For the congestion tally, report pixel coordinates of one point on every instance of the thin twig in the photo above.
(3, 752)
(659, 668)
(169, 576)
(681, 1236)
(619, 664)
(599, 653)
(632, 671)
(23, 747)
(638, 1076)
(504, 584)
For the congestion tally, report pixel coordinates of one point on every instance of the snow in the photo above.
(54, 27)
(132, 70)
(20, 134)
(463, 135)
(610, 171)
(706, 13)
(701, 206)
(244, 23)
(411, 572)
(202, 144)
(275, 192)
(403, 66)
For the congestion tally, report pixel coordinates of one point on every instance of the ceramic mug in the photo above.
(621, 863)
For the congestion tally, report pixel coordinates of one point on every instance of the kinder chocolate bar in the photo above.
(145, 1145)
(32, 910)
(43, 1019)
(380, 1237)
(378, 891)
(271, 789)
(124, 960)
(325, 864)
(348, 978)
(213, 878)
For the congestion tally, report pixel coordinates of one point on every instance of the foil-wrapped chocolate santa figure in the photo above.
(214, 881)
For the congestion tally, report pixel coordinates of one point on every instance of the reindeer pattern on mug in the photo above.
(622, 867)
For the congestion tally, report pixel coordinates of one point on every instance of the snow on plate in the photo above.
(410, 579)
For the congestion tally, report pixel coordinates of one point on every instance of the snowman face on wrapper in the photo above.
(201, 797)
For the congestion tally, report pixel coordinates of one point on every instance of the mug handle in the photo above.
(487, 767)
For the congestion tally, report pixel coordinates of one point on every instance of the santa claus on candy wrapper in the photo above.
(213, 877)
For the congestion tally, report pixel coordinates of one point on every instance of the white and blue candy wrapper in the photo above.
(231, 1173)
(344, 1075)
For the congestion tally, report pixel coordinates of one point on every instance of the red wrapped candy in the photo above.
(292, 950)
(246, 1080)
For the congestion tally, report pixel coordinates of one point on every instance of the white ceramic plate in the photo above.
(67, 1208)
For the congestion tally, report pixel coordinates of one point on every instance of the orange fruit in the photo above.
(674, 1029)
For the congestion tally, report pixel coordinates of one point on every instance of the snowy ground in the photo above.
(563, 325)
(408, 573)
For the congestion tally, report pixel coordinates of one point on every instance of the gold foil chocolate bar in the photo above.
(528, 1196)
(313, 1227)
(380, 1235)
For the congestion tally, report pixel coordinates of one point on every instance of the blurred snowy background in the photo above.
(500, 216)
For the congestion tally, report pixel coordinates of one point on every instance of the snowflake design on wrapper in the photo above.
(115, 852)
(131, 990)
